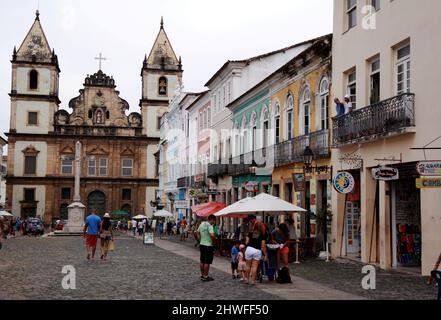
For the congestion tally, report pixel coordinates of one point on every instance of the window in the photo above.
(215, 103)
(157, 164)
(289, 116)
(224, 96)
(30, 164)
(305, 104)
(375, 82)
(351, 12)
(158, 123)
(162, 86)
(324, 103)
(91, 167)
(403, 70)
(229, 91)
(103, 167)
(127, 194)
(376, 4)
(209, 117)
(352, 88)
(127, 167)
(32, 118)
(65, 193)
(29, 195)
(277, 123)
(33, 80)
(66, 166)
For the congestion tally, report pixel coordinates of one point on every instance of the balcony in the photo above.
(319, 144)
(218, 169)
(384, 119)
(183, 182)
(290, 151)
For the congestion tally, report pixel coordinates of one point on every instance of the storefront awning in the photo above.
(206, 209)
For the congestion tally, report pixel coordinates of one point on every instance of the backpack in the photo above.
(283, 276)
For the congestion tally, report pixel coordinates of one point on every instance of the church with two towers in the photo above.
(119, 167)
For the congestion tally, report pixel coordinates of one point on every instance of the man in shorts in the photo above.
(206, 237)
(92, 232)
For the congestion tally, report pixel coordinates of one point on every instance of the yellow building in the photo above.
(301, 111)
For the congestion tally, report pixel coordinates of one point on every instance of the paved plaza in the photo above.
(31, 268)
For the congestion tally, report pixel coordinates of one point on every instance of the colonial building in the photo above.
(118, 163)
(385, 59)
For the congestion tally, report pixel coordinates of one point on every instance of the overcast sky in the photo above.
(206, 33)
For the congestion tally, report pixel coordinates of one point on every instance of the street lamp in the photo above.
(307, 156)
(253, 167)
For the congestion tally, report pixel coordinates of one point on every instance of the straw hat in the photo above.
(106, 215)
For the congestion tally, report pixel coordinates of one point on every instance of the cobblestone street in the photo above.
(30, 268)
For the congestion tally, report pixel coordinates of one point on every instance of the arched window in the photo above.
(243, 135)
(324, 103)
(162, 86)
(33, 80)
(289, 112)
(265, 126)
(277, 122)
(305, 102)
(253, 128)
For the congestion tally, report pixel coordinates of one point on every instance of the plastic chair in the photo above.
(436, 275)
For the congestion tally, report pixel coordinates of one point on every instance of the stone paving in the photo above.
(30, 268)
(345, 275)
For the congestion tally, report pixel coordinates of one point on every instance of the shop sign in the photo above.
(299, 181)
(185, 204)
(429, 168)
(424, 183)
(343, 182)
(199, 178)
(148, 238)
(251, 186)
(385, 174)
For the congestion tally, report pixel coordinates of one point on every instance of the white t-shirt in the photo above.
(140, 225)
(134, 223)
(348, 107)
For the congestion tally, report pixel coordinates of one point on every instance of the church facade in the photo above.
(119, 167)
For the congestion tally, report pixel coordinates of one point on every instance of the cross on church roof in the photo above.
(100, 58)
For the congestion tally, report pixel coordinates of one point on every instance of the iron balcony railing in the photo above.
(319, 144)
(218, 169)
(388, 117)
(290, 151)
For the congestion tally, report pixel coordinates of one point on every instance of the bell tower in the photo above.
(161, 73)
(35, 81)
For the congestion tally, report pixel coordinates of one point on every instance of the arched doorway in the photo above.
(96, 200)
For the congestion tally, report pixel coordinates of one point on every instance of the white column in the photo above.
(77, 197)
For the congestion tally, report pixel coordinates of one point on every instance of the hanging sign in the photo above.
(251, 186)
(344, 182)
(299, 181)
(425, 183)
(182, 204)
(429, 168)
(385, 174)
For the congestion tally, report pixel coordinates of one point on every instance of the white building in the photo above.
(386, 57)
(232, 80)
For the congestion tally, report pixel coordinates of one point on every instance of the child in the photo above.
(242, 264)
(234, 261)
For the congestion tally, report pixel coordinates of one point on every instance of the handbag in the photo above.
(112, 245)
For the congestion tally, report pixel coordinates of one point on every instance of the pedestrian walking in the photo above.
(183, 226)
(91, 233)
(234, 260)
(134, 227)
(140, 228)
(206, 237)
(242, 264)
(106, 235)
(255, 252)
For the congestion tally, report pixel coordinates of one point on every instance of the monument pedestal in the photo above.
(75, 223)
